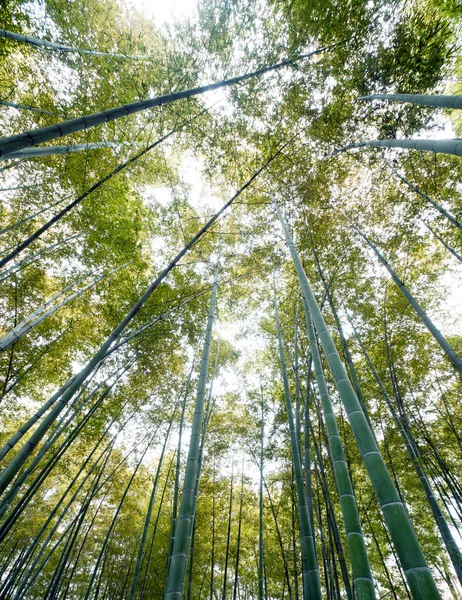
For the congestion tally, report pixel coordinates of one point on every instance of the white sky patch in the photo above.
(163, 12)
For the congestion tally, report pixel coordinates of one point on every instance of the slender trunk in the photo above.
(439, 101)
(298, 427)
(183, 532)
(281, 545)
(321, 536)
(311, 583)
(261, 582)
(415, 567)
(438, 207)
(445, 244)
(293, 540)
(436, 333)
(33, 41)
(453, 146)
(332, 518)
(147, 520)
(362, 576)
(346, 351)
(25, 107)
(52, 132)
(177, 470)
(154, 531)
(239, 530)
(307, 461)
(228, 537)
(212, 565)
(52, 150)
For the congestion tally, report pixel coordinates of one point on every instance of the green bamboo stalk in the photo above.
(239, 531)
(177, 470)
(311, 583)
(104, 546)
(17, 142)
(228, 537)
(362, 576)
(453, 146)
(40, 314)
(445, 244)
(208, 412)
(436, 333)
(177, 573)
(53, 150)
(281, 545)
(73, 384)
(293, 541)
(261, 582)
(326, 569)
(25, 107)
(212, 561)
(439, 101)
(298, 427)
(154, 531)
(147, 519)
(346, 350)
(331, 516)
(415, 567)
(39, 43)
(307, 457)
(435, 204)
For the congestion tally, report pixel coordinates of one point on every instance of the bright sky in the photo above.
(163, 11)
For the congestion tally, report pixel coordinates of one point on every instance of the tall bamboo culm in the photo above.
(177, 573)
(362, 576)
(311, 582)
(402, 533)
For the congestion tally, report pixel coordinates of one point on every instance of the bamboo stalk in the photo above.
(413, 561)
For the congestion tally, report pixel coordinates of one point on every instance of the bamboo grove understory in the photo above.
(230, 337)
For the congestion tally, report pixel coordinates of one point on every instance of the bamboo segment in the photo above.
(424, 100)
(33, 41)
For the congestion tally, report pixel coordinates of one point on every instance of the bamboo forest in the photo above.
(231, 300)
